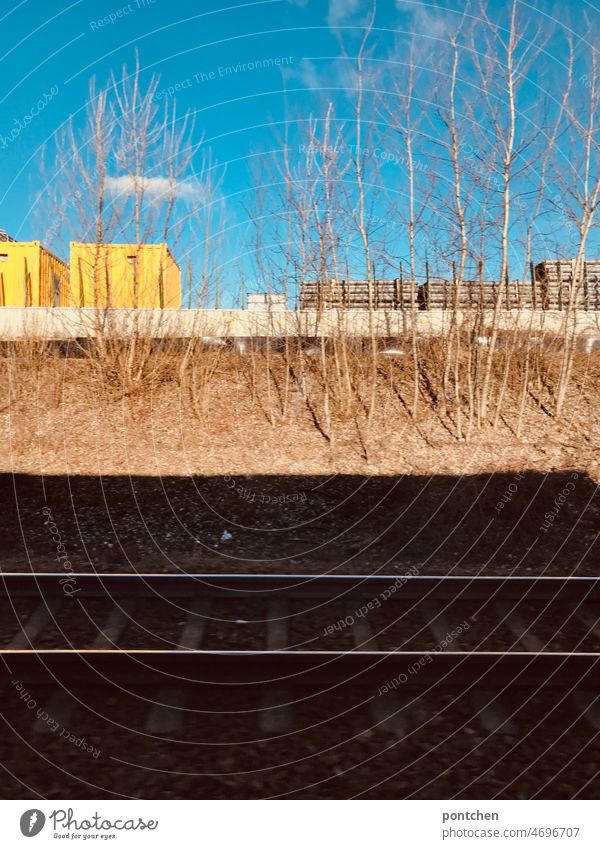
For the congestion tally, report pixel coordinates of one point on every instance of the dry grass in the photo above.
(176, 407)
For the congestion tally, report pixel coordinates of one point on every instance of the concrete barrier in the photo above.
(63, 323)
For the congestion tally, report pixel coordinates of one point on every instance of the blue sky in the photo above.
(59, 45)
(243, 68)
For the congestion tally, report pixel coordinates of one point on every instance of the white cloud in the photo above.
(341, 10)
(308, 75)
(154, 188)
(429, 24)
(340, 73)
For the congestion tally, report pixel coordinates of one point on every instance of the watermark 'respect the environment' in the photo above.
(252, 496)
(120, 13)
(222, 72)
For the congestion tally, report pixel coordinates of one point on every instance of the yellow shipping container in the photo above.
(123, 276)
(30, 276)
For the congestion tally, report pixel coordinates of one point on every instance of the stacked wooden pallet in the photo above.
(556, 283)
(438, 293)
(592, 300)
(357, 294)
(549, 289)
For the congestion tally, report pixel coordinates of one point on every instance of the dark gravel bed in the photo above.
(346, 524)
(334, 750)
(76, 625)
(396, 628)
(561, 629)
(460, 627)
(319, 627)
(478, 628)
(236, 624)
(552, 752)
(315, 626)
(155, 625)
(13, 614)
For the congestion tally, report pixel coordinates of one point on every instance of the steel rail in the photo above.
(398, 670)
(386, 669)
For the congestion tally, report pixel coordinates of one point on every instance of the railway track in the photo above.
(448, 650)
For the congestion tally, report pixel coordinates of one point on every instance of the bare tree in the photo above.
(580, 190)
(127, 175)
(402, 122)
(502, 71)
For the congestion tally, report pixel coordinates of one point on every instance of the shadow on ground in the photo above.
(523, 523)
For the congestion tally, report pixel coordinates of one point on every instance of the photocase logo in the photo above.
(32, 822)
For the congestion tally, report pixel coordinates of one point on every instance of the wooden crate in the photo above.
(555, 280)
(357, 294)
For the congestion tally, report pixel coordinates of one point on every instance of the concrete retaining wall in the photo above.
(72, 322)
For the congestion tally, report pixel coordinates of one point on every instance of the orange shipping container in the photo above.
(31, 276)
(123, 276)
